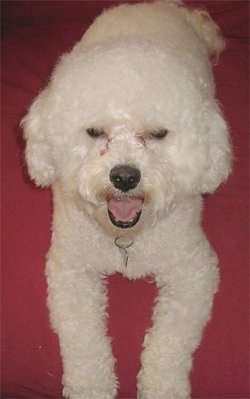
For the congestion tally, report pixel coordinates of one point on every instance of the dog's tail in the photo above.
(202, 23)
(206, 28)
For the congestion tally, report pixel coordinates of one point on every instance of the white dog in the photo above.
(129, 135)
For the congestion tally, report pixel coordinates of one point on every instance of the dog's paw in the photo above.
(82, 393)
(164, 387)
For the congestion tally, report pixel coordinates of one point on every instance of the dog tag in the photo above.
(123, 243)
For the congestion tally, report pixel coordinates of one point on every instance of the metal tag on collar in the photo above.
(123, 243)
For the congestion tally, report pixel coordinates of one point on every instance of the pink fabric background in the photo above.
(34, 34)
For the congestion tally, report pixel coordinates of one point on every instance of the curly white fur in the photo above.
(138, 70)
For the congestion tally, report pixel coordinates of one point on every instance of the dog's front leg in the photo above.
(77, 303)
(183, 308)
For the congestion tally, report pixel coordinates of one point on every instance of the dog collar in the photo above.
(123, 243)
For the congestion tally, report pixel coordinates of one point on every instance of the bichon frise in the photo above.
(128, 134)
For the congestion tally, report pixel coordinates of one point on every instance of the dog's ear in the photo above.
(38, 152)
(219, 152)
(206, 28)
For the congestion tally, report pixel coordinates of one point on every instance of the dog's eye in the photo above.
(158, 134)
(94, 132)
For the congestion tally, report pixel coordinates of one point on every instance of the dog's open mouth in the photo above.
(125, 212)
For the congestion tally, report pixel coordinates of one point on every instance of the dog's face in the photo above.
(121, 181)
(127, 133)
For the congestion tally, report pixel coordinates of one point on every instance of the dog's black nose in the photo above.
(125, 177)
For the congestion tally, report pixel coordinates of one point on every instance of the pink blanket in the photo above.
(34, 34)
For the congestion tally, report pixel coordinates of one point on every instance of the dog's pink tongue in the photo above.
(125, 209)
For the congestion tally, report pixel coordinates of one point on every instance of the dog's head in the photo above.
(129, 125)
